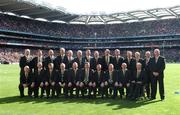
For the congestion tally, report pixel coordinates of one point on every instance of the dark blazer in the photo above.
(39, 76)
(80, 65)
(159, 66)
(58, 60)
(62, 77)
(95, 62)
(142, 62)
(72, 77)
(34, 62)
(26, 80)
(131, 65)
(124, 78)
(104, 64)
(141, 77)
(24, 62)
(114, 77)
(47, 61)
(147, 70)
(117, 63)
(86, 60)
(99, 79)
(52, 78)
(91, 76)
(69, 64)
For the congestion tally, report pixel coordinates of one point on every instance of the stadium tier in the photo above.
(21, 33)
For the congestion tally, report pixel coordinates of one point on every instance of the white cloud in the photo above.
(105, 6)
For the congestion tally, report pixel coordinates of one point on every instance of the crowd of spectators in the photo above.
(158, 27)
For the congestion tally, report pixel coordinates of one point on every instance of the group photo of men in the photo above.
(87, 76)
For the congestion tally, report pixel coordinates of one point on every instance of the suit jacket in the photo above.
(142, 62)
(62, 77)
(47, 61)
(95, 62)
(117, 63)
(104, 64)
(52, 78)
(99, 79)
(69, 63)
(34, 62)
(147, 70)
(86, 59)
(39, 76)
(80, 65)
(114, 77)
(72, 77)
(124, 78)
(90, 78)
(131, 65)
(141, 76)
(58, 60)
(24, 62)
(26, 80)
(159, 66)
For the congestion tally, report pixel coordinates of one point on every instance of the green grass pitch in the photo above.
(11, 104)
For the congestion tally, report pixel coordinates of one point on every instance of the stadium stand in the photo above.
(20, 33)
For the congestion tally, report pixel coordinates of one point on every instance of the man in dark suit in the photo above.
(157, 67)
(26, 81)
(70, 59)
(139, 59)
(106, 59)
(25, 60)
(62, 80)
(137, 82)
(148, 73)
(86, 80)
(50, 80)
(73, 80)
(37, 59)
(88, 56)
(131, 62)
(111, 81)
(62, 58)
(124, 80)
(95, 60)
(39, 74)
(117, 60)
(99, 80)
(79, 59)
(49, 59)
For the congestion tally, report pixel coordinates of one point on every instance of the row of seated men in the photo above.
(153, 67)
(84, 81)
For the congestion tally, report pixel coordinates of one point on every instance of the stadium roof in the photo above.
(26, 9)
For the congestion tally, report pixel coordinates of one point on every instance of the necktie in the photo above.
(86, 76)
(123, 72)
(117, 59)
(62, 76)
(138, 73)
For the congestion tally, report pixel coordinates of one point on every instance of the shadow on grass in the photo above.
(109, 102)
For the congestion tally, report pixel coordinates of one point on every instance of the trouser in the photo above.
(121, 90)
(21, 90)
(68, 91)
(160, 80)
(135, 90)
(59, 89)
(36, 90)
(112, 89)
(49, 89)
